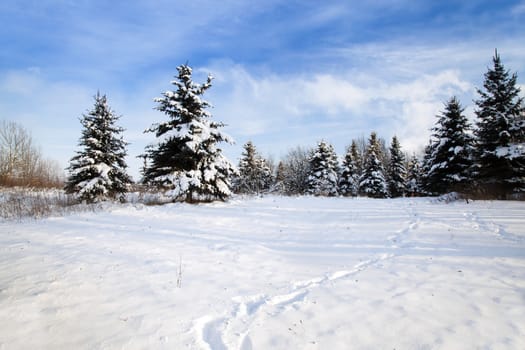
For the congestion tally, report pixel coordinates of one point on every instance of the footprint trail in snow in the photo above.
(232, 331)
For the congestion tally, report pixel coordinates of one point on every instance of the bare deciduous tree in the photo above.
(21, 162)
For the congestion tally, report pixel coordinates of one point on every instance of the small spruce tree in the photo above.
(323, 178)
(450, 162)
(254, 174)
(372, 182)
(349, 180)
(414, 175)
(397, 172)
(98, 170)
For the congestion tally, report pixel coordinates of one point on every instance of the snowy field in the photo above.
(268, 273)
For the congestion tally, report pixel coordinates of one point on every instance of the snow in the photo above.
(268, 273)
(511, 152)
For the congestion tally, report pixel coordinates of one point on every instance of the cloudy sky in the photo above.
(287, 72)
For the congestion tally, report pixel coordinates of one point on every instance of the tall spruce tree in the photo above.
(373, 182)
(450, 161)
(349, 179)
(254, 174)
(186, 161)
(500, 134)
(323, 176)
(98, 170)
(397, 172)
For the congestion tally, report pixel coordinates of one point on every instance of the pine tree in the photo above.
(349, 180)
(254, 175)
(450, 162)
(186, 161)
(397, 172)
(322, 179)
(500, 151)
(372, 182)
(98, 171)
(414, 175)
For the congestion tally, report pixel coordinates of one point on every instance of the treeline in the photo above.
(185, 162)
(368, 169)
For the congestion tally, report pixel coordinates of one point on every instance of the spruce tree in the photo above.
(372, 182)
(254, 174)
(185, 161)
(500, 134)
(349, 180)
(98, 170)
(397, 172)
(450, 162)
(414, 175)
(323, 176)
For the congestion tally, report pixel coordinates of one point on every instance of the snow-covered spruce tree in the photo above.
(500, 134)
(254, 174)
(450, 162)
(397, 172)
(349, 179)
(372, 182)
(323, 178)
(98, 170)
(185, 161)
(413, 184)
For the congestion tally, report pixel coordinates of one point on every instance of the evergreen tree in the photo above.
(450, 162)
(397, 172)
(322, 179)
(372, 182)
(500, 151)
(414, 175)
(186, 161)
(349, 180)
(98, 170)
(254, 175)
(357, 156)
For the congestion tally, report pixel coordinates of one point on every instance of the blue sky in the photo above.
(287, 73)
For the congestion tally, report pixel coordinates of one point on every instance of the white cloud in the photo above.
(287, 108)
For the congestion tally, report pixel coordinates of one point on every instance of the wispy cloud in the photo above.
(287, 72)
(332, 107)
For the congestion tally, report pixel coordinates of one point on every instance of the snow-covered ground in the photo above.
(268, 273)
